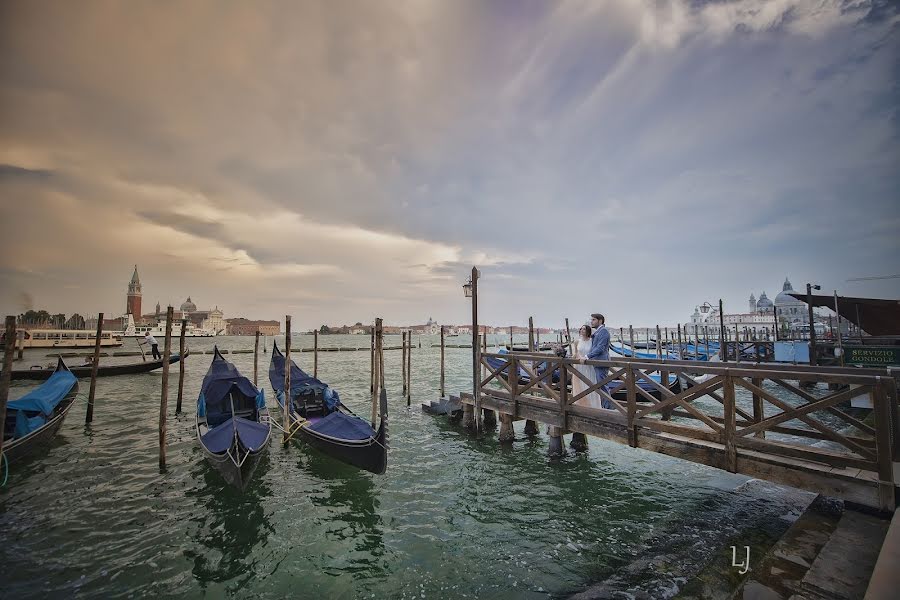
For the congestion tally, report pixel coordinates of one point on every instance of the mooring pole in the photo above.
(89, 415)
(316, 353)
(531, 427)
(164, 394)
(20, 342)
(377, 367)
(510, 338)
(287, 377)
(372, 364)
(181, 365)
(8, 350)
(723, 345)
(409, 370)
(403, 359)
(442, 362)
(256, 358)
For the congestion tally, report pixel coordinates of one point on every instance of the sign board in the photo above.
(872, 356)
(792, 352)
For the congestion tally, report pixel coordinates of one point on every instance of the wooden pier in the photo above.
(727, 415)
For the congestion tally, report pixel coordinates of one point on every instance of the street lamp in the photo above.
(704, 308)
(812, 325)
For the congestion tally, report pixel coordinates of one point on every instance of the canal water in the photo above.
(453, 517)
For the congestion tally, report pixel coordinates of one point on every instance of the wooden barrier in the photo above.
(95, 364)
(717, 415)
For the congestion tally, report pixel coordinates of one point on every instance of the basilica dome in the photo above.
(764, 305)
(188, 306)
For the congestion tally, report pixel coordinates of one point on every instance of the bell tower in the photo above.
(133, 300)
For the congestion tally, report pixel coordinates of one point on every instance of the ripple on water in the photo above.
(453, 516)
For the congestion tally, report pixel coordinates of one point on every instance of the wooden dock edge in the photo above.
(854, 485)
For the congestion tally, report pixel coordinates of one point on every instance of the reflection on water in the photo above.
(228, 524)
(453, 516)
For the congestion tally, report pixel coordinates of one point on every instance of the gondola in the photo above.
(321, 420)
(33, 420)
(233, 425)
(84, 371)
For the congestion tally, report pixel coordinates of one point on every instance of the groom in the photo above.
(600, 350)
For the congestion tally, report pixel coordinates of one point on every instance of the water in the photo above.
(454, 517)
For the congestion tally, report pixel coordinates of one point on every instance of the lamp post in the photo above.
(812, 325)
(470, 289)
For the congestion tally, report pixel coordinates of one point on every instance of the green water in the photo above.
(454, 517)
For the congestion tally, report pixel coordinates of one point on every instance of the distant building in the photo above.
(241, 326)
(133, 299)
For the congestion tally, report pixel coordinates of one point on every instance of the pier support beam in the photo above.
(531, 427)
(507, 433)
(556, 447)
(489, 419)
(579, 442)
(468, 419)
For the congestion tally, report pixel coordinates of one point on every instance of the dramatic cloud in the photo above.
(343, 160)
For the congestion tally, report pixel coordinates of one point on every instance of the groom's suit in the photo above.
(600, 351)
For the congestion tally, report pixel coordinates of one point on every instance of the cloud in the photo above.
(355, 159)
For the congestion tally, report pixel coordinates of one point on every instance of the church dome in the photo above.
(188, 306)
(764, 305)
(784, 298)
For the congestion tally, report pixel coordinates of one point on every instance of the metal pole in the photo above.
(723, 349)
(475, 350)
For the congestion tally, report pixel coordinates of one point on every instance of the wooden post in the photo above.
(409, 369)
(883, 450)
(531, 427)
(20, 342)
(89, 414)
(840, 339)
(680, 347)
(181, 365)
(737, 343)
(538, 338)
(287, 377)
(479, 416)
(568, 332)
(403, 359)
(316, 353)
(507, 434)
(728, 432)
(658, 344)
(164, 394)
(758, 409)
(632, 406)
(372, 365)
(377, 367)
(6, 375)
(510, 338)
(631, 338)
(442, 363)
(812, 326)
(256, 358)
(723, 346)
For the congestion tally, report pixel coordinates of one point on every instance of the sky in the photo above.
(344, 160)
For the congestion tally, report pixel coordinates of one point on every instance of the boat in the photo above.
(33, 420)
(67, 338)
(233, 425)
(320, 419)
(159, 329)
(83, 371)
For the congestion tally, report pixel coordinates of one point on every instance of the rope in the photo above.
(5, 468)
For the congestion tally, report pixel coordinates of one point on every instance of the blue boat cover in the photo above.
(345, 427)
(301, 382)
(251, 434)
(222, 385)
(40, 402)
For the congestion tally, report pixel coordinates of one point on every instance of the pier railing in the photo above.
(789, 423)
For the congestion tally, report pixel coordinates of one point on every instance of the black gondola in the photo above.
(33, 420)
(233, 425)
(84, 371)
(322, 421)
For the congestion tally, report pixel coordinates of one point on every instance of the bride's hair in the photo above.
(587, 329)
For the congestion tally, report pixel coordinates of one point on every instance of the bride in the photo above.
(581, 348)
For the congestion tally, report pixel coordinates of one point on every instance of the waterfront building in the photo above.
(241, 326)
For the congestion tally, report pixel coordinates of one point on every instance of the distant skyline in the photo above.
(339, 161)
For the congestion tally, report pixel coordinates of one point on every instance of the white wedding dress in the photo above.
(589, 372)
